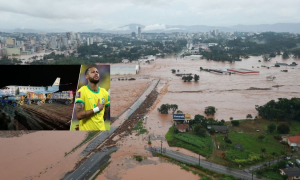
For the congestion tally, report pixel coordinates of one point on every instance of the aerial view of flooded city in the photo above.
(199, 90)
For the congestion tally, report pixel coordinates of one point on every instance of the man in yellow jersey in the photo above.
(92, 103)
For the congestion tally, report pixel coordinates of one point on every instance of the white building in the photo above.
(193, 57)
(124, 70)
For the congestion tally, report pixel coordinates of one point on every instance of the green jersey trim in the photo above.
(95, 92)
(80, 101)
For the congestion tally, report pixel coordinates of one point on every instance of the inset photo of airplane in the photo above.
(37, 97)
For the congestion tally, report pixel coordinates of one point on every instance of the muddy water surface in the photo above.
(233, 95)
(39, 155)
(124, 93)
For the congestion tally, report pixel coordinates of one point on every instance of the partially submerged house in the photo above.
(293, 173)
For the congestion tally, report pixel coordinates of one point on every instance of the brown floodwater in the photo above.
(39, 155)
(159, 171)
(124, 93)
(149, 168)
(42, 153)
(228, 93)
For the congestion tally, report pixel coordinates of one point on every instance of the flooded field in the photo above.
(123, 93)
(233, 95)
(39, 155)
(124, 166)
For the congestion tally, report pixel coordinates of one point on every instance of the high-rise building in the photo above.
(139, 32)
(70, 36)
(78, 36)
(53, 43)
(11, 41)
(65, 41)
(88, 41)
(91, 41)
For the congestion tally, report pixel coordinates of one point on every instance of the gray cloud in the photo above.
(92, 14)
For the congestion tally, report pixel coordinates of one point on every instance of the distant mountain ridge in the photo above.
(126, 29)
(279, 27)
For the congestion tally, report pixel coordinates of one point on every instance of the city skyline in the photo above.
(90, 15)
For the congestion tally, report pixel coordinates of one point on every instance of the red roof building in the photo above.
(294, 141)
(182, 127)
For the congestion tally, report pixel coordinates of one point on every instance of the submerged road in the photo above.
(88, 165)
(243, 174)
(93, 160)
(105, 134)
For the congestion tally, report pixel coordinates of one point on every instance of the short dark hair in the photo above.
(86, 71)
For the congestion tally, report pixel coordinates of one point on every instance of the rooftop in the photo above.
(292, 171)
(294, 139)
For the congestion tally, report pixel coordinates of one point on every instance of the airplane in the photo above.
(13, 90)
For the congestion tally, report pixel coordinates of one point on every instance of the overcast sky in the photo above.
(78, 15)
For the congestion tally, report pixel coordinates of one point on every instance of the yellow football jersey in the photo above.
(90, 99)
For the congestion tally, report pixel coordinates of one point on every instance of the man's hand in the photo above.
(100, 105)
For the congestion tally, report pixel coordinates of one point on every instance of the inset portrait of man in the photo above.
(92, 103)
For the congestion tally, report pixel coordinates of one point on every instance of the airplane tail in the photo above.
(56, 82)
(54, 87)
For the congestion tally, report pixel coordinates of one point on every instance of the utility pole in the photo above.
(161, 147)
(199, 159)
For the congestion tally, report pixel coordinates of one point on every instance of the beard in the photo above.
(92, 80)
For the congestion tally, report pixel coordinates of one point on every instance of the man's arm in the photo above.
(106, 113)
(80, 113)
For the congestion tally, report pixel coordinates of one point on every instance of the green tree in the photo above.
(283, 128)
(263, 150)
(274, 154)
(235, 123)
(179, 112)
(249, 116)
(228, 141)
(210, 110)
(261, 137)
(173, 107)
(199, 119)
(173, 71)
(164, 108)
(271, 128)
(285, 55)
(272, 54)
(187, 78)
(199, 130)
(196, 77)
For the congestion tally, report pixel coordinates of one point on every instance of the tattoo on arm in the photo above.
(79, 107)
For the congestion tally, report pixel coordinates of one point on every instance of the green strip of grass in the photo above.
(139, 128)
(191, 142)
(101, 170)
(90, 135)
